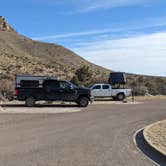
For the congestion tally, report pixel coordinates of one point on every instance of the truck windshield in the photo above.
(72, 85)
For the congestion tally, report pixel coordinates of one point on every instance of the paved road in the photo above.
(101, 135)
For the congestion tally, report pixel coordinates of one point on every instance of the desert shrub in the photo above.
(140, 90)
(152, 88)
(162, 89)
(75, 80)
(154, 85)
(6, 88)
(133, 84)
(82, 76)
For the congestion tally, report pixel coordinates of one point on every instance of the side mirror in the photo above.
(71, 87)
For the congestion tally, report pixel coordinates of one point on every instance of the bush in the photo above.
(140, 90)
(6, 88)
(82, 76)
(75, 80)
(162, 89)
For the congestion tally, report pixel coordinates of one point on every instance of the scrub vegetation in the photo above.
(21, 55)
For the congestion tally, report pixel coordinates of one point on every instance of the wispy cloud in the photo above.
(137, 48)
(147, 23)
(144, 54)
(82, 6)
(75, 34)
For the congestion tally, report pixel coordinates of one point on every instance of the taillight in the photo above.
(16, 92)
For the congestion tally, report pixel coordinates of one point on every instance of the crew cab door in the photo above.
(96, 91)
(51, 90)
(106, 90)
(66, 91)
(59, 90)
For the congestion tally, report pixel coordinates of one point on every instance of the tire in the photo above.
(30, 102)
(114, 98)
(120, 97)
(83, 101)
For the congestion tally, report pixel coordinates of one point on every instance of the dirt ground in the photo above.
(156, 136)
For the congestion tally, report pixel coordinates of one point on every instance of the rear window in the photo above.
(29, 83)
(106, 87)
(51, 85)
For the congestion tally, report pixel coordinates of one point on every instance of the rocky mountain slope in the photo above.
(21, 55)
(4, 26)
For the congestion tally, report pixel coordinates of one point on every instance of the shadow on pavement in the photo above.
(104, 99)
(40, 105)
(149, 151)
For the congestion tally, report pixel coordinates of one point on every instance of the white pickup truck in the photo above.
(106, 90)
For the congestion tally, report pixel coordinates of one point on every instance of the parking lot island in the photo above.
(155, 135)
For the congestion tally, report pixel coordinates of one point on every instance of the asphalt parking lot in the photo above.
(99, 135)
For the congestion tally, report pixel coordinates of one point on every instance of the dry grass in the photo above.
(156, 136)
(21, 55)
(150, 97)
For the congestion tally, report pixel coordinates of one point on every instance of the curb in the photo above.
(2, 106)
(1, 109)
(145, 135)
(135, 142)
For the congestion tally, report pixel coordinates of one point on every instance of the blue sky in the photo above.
(123, 35)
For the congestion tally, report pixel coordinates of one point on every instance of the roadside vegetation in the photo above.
(21, 55)
(147, 85)
(84, 76)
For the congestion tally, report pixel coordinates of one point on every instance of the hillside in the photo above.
(20, 55)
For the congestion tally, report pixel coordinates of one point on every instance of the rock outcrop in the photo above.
(4, 26)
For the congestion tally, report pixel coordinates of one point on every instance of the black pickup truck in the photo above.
(37, 88)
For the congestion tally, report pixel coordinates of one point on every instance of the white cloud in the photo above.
(134, 52)
(145, 54)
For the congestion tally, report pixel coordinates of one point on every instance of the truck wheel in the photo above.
(120, 97)
(83, 101)
(114, 98)
(30, 102)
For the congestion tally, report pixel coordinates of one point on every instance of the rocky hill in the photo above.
(4, 26)
(21, 55)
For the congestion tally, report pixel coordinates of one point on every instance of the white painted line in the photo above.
(39, 110)
(115, 102)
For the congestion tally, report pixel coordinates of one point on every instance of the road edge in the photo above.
(135, 142)
(149, 142)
